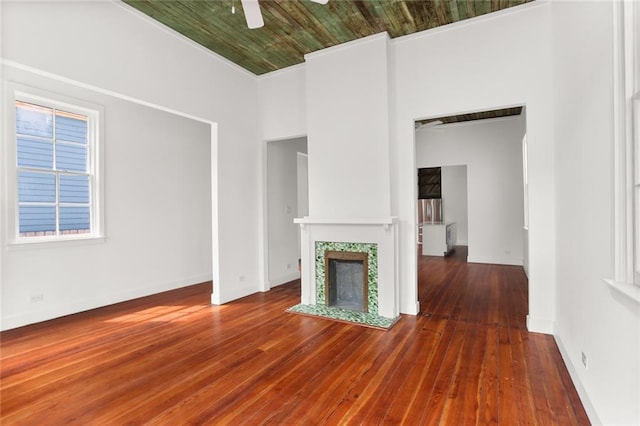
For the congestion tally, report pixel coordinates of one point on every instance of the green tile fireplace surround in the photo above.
(370, 318)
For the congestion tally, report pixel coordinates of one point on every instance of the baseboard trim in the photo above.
(540, 325)
(284, 279)
(411, 309)
(46, 314)
(575, 378)
(238, 293)
(495, 260)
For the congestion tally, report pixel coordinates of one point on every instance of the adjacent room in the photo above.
(320, 212)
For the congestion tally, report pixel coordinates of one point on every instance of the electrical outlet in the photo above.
(288, 266)
(241, 278)
(584, 359)
(36, 298)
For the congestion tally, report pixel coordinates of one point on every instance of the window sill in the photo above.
(53, 243)
(630, 290)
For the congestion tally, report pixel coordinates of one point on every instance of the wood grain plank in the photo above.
(408, 391)
(463, 380)
(363, 390)
(507, 411)
(489, 381)
(444, 385)
(174, 358)
(523, 399)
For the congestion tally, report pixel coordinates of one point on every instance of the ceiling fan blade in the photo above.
(252, 13)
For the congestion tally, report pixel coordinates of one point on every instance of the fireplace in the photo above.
(349, 270)
(346, 280)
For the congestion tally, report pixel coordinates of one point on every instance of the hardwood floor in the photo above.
(173, 359)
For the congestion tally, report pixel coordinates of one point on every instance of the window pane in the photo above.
(71, 157)
(74, 189)
(36, 187)
(71, 127)
(54, 180)
(37, 220)
(74, 220)
(34, 120)
(35, 153)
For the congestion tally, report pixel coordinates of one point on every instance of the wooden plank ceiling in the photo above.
(483, 115)
(294, 28)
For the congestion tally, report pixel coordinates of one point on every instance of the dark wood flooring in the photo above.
(174, 359)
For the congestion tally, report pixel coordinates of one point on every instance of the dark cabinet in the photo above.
(429, 182)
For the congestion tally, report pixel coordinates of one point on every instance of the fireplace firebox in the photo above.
(347, 280)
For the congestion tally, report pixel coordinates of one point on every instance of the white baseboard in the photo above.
(540, 325)
(575, 378)
(233, 293)
(495, 260)
(284, 279)
(45, 314)
(411, 309)
(462, 243)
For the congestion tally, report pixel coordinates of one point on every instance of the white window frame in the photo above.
(626, 120)
(525, 179)
(94, 113)
(636, 186)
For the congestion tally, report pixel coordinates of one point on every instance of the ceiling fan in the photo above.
(253, 15)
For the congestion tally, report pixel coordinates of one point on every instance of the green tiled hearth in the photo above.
(320, 309)
(362, 318)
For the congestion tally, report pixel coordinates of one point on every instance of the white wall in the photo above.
(454, 200)
(143, 61)
(492, 151)
(590, 317)
(157, 217)
(525, 251)
(509, 54)
(303, 184)
(283, 110)
(348, 130)
(499, 61)
(282, 207)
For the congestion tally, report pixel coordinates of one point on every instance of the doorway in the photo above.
(284, 202)
(487, 149)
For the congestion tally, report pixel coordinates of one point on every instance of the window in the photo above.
(631, 90)
(626, 105)
(525, 179)
(56, 177)
(636, 184)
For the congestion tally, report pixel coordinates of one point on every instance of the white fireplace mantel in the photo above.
(385, 221)
(379, 231)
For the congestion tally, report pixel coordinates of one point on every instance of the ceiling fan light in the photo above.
(252, 13)
(320, 1)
